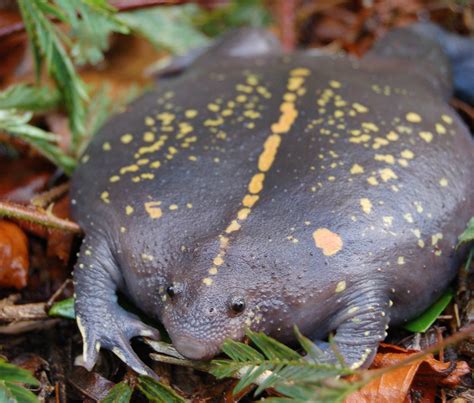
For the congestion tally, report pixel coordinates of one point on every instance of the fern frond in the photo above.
(271, 364)
(48, 48)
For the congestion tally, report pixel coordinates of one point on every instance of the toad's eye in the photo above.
(237, 305)
(171, 291)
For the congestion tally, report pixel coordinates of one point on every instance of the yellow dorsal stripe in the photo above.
(287, 118)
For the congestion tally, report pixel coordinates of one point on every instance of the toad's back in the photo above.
(333, 170)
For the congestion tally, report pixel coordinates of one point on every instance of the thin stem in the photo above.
(40, 217)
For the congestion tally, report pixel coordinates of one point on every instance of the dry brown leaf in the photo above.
(422, 376)
(14, 262)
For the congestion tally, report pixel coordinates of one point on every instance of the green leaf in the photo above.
(241, 352)
(426, 319)
(63, 309)
(28, 98)
(6, 395)
(272, 348)
(21, 394)
(168, 28)
(12, 373)
(120, 393)
(468, 234)
(236, 14)
(46, 41)
(157, 392)
(92, 22)
(16, 124)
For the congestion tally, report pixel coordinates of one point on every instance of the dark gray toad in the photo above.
(260, 190)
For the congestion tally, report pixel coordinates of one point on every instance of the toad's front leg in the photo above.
(101, 320)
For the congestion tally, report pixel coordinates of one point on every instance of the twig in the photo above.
(126, 5)
(17, 211)
(286, 16)
(45, 198)
(13, 313)
(56, 294)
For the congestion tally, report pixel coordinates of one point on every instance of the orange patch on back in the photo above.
(328, 241)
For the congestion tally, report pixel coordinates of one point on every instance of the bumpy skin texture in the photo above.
(317, 190)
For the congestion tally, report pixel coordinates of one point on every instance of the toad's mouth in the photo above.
(196, 349)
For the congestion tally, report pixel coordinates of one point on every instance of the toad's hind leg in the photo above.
(102, 322)
(360, 327)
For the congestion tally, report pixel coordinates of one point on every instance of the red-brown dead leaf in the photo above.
(14, 262)
(21, 179)
(422, 376)
(60, 242)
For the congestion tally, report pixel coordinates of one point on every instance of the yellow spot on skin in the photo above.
(370, 126)
(447, 119)
(146, 257)
(403, 162)
(413, 117)
(294, 83)
(192, 158)
(408, 217)
(335, 84)
(416, 232)
(386, 174)
(213, 271)
(213, 107)
(208, 281)
(233, 226)
(173, 207)
(392, 136)
(435, 238)
(270, 149)
(126, 138)
(401, 260)
(243, 213)
(328, 241)
(300, 71)
(256, 183)
(153, 209)
(130, 168)
(443, 182)
(426, 136)
(287, 118)
(407, 154)
(149, 121)
(360, 139)
(388, 158)
(114, 178)
(249, 200)
(372, 180)
(106, 146)
(388, 220)
(105, 197)
(218, 261)
(189, 205)
(360, 108)
(341, 286)
(357, 169)
(155, 164)
(421, 243)
(128, 210)
(191, 113)
(440, 129)
(123, 230)
(366, 205)
(149, 137)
